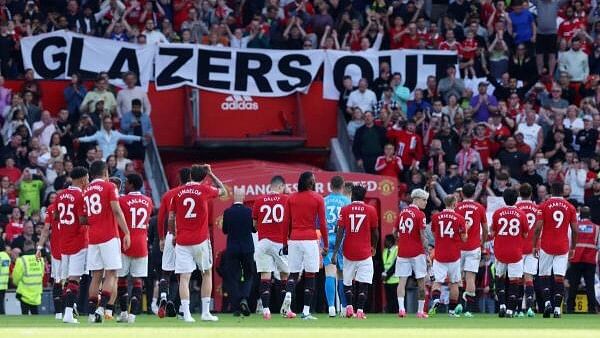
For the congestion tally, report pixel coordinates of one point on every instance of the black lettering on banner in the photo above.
(205, 68)
(441, 62)
(125, 55)
(37, 57)
(243, 71)
(286, 68)
(339, 69)
(411, 71)
(182, 55)
(75, 55)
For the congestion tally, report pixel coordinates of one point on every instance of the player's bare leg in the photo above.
(109, 290)
(289, 292)
(205, 293)
(453, 302)
(421, 298)
(330, 288)
(469, 296)
(435, 297)
(94, 315)
(184, 294)
(401, 292)
(529, 291)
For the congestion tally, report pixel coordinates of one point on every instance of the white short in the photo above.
(188, 257)
(304, 254)
(515, 270)
(405, 267)
(360, 271)
(134, 266)
(553, 263)
(168, 255)
(469, 260)
(74, 265)
(104, 256)
(530, 264)
(443, 270)
(269, 258)
(56, 269)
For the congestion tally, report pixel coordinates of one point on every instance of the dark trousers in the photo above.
(574, 274)
(238, 275)
(391, 298)
(27, 308)
(2, 294)
(369, 163)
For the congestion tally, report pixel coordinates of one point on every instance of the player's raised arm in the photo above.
(116, 209)
(217, 182)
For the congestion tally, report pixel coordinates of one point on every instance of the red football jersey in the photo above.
(70, 206)
(269, 213)
(137, 209)
(409, 145)
(358, 219)
(54, 232)
(475, 218)
(447, 226)
(163, 213)
(469, 43)
(304, 210)
(97, 196)
(531, 212)
(484, 147)
(509, 227)
(389, 167)
(190, 205)
(558, 215)
(13, 230)
(411, 222)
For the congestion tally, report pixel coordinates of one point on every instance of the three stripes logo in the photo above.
(239, 102)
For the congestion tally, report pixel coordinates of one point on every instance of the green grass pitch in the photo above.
(377, 325)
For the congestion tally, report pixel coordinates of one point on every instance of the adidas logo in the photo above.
(239, 102)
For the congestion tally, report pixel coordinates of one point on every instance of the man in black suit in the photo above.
(239, 254)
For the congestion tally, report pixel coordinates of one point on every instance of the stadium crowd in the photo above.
(533, 116)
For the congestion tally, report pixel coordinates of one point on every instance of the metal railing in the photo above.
(155, 172)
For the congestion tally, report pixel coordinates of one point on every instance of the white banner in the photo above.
(414, 65)
(59, 54)
(254, 72)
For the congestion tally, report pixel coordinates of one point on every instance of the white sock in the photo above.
(503, 306)
(100, 310)
(401, 303)
(557, 309)
(108, 312)
(180, 308)
(288, 295)
(163, 295)
(185, 307)
(266, 310)
(205, 305)
(359, 310)
(547, 303)
(421, 305)
(306, 310)
(332, 309)
(154, 301)
(68, 313)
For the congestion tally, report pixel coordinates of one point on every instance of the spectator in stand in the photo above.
(30, 190)
(531, 176)
(14, 227)
(107, 138)
(153, 36)
(401, 93)
(575, 63)
(44, 128)
(368, 144)
(8, 195)
(521, 66)
(408, 144)
(74, 95)
(356, 122)
(418, 104)
(450, 85)
(362, 97)
(10, 171)
(483, 104)
(389, 164)
(131, 92)
(113, 170)
(546, 42)
(100, 93)
(11, 126)
(136, 122)
(575, 177)
(586, 138)
(512, 158)
(532, 132)
(5, 97)
(196, 26)
(467, 158)
(387, 102)
(523, 24)
(28, 234)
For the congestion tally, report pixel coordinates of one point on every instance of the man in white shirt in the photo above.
(44, 128)
(153, 36)
(363, 98)
(574, 62)
(131, 92)
(532, 132)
